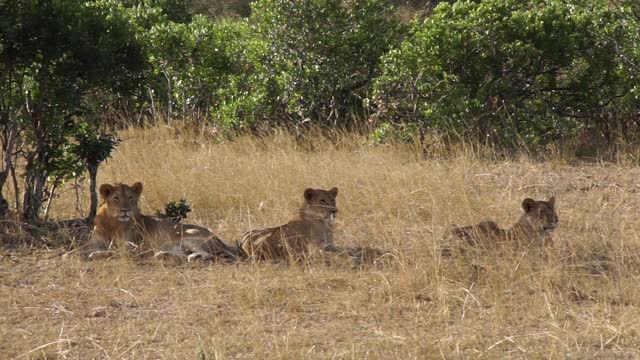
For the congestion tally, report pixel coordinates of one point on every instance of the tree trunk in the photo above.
(7, 167)
(92, 167)
(35, 174)
(76, 188)
(28, 189)
(50, 201)
(169, 97)
(34, 182)
(32, 197)
(16, 189)
(4, 204)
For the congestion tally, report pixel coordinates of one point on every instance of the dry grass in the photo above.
(577, 300)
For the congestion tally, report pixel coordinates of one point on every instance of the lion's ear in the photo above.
(137, 188)
(528, 204)
(106, 190)
(334, 192)
(308, 194)
(552, 201)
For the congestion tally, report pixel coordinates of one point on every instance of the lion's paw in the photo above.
(100, 254)
(200, 256)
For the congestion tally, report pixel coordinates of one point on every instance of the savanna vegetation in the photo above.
(424, 114)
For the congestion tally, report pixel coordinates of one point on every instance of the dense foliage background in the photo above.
(505, 72)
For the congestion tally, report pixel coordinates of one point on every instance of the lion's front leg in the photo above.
(185, 250)
(100, 254)
(171, 251)
(98, 247)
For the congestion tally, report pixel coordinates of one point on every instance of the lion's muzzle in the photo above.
(125, 215)
(333, 212)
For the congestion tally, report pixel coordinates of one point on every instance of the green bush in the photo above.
(311, 60)
(190, 62)
(250, 96)
(507, 71)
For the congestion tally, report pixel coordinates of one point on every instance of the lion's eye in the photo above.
(131, 198)
(116, 198)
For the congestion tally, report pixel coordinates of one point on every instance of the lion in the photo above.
(311, 227)
(535, 227)
(119, 222)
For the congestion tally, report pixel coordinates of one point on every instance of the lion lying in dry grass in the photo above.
(119, 222)
(310, 229)
(535, 227)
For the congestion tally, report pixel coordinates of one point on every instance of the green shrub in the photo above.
(190, 61)
(310, 60)
(249, 96)
(507, 71)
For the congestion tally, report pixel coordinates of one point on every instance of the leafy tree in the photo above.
(59, 52)
(315, 59)
(625, 107)
(178, 11)
(11, 93)
(148, 12)
(190, 62)
(250, 96)
(222, 8)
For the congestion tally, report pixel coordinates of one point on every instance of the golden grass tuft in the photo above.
(577, 300)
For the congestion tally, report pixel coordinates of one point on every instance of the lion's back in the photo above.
(277, 242)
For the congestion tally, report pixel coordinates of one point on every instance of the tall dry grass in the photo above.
(576, 300)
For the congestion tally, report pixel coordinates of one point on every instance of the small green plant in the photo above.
(175, 211)
(92, 147)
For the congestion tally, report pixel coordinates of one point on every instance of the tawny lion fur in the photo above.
(535, 227)
(311, 227)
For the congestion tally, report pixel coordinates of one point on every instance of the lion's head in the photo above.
(541, 214)
(321, 204)
(122, 200)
